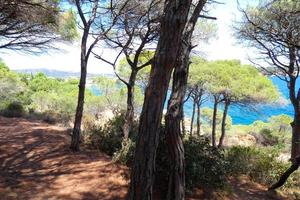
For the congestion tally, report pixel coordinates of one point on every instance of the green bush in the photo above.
(205, 165)
(13, 109)
(125, 155)
(109, 138)
(260, 164)
(50, 117)
(265, 137)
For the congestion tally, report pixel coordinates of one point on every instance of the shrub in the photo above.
(125, 155)
(13, 109)
(50, 117)
(205, 165)
(269, 138)
(260, 164)
(109, 138)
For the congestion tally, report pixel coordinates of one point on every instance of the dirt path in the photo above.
(36, 164)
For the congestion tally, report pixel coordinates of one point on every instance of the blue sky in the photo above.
(224, 47)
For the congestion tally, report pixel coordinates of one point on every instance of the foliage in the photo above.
(68, 26)
(125, 155)
(205, 165)
(13, 109)
(109, 138)
(32, 25)
(272, 29)
(124, 69)
(207, 115)
(11, 86)
(276, 131)
(260, 164)
(112, 92)
(242, 83)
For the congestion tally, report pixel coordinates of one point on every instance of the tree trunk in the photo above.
(176, 188)
(286, 174)
(214, 122)
(172, 25)
(198, 118)
(129, 116)
(193, 116)
(295, 100)
(223, 128)
(75, 141)
(295, 137)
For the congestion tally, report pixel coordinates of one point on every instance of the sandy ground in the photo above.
(37, 164)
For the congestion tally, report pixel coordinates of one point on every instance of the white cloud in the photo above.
(68, 59)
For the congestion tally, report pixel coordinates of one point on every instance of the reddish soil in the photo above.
(36, 164)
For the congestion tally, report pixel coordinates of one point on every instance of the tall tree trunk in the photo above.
(172, 25)
(295, 100)
(129, 116)
(295, 151)
(193, 116)
(75, 141)
(176, 188)
(214, 122)
(198, 118)
(223, 126)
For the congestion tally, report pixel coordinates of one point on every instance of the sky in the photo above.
(68, 58)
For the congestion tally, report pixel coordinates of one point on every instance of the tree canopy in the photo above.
(31, 26)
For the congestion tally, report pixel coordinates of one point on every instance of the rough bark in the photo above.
(129, 116)
(223, 126)
(295, 151)
(172, 25)
(176, 188)
(75, 141)
(214, 122)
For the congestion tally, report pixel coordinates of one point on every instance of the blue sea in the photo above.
(245, 115)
